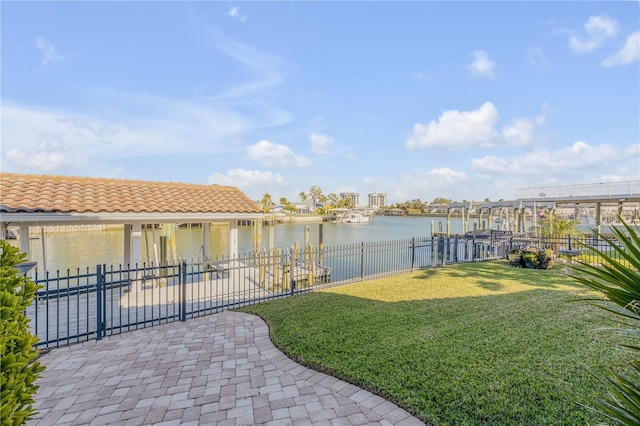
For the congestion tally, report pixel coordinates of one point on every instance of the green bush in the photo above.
(531, 258)
(18, 366)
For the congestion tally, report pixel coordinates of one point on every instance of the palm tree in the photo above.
(619, 281)
(266, 202)
(315, 193)
(333, 198)
(303, 196)
(553, 225)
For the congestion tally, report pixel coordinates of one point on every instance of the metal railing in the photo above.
(569, 246)
(92, 304)
(590, 190)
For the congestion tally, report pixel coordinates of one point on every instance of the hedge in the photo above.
(19, 368)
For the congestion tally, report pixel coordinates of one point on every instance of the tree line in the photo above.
(320, 203)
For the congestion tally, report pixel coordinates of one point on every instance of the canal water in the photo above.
(84, 249)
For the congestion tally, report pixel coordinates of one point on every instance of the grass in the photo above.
(469, 344)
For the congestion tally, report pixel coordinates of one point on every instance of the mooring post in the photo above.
(306, 236)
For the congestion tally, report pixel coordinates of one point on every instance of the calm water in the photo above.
(87, 249)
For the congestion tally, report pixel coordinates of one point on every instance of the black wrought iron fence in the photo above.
(569, 247)
(91, 304)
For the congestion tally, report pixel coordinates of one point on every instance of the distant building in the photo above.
(377, 200)
(303, 208)
(353, 196)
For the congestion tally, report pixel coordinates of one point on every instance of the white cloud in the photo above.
(598, 28)
(518, 132)
(481, 66)
(473, 129)
(264, 71)
(457, 130)
(578, 157)
(243, 178)
(602, 24)
(582, 46)
(270, 154)
(536, 56)
(422, 76)
(629, 53)
(49, 53)
(254, 183)
(446, 175)
(264, 65)
(427, 185)
(84, 141)
(42, 161)
(235, 13)
(320, 144)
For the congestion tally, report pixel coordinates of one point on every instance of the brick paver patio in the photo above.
(219, 369)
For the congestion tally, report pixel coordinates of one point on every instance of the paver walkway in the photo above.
(219, 369)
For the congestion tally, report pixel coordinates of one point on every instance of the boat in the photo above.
(354, 217)
(348, 216)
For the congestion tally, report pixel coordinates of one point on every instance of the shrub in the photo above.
(531, 258)
(18, 366)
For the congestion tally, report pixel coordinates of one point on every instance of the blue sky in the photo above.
(463, 100)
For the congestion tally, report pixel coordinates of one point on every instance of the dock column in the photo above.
(136, 244)
(598, 219)
(448, 221)
(126, 249)
(233, 239)
(24, 241)
(465, 224)
(258, 234)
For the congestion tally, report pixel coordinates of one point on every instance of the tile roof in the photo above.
(67, 194)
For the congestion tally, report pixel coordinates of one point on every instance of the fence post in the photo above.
(456, 241)
(99, 285)
(569, 242)
(183, 291)
(473, 248)
(413, 252)
(362, 261)
(292, 281)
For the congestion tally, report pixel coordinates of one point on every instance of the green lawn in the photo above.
(480, 343)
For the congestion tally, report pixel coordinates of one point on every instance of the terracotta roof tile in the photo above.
(67, 194)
